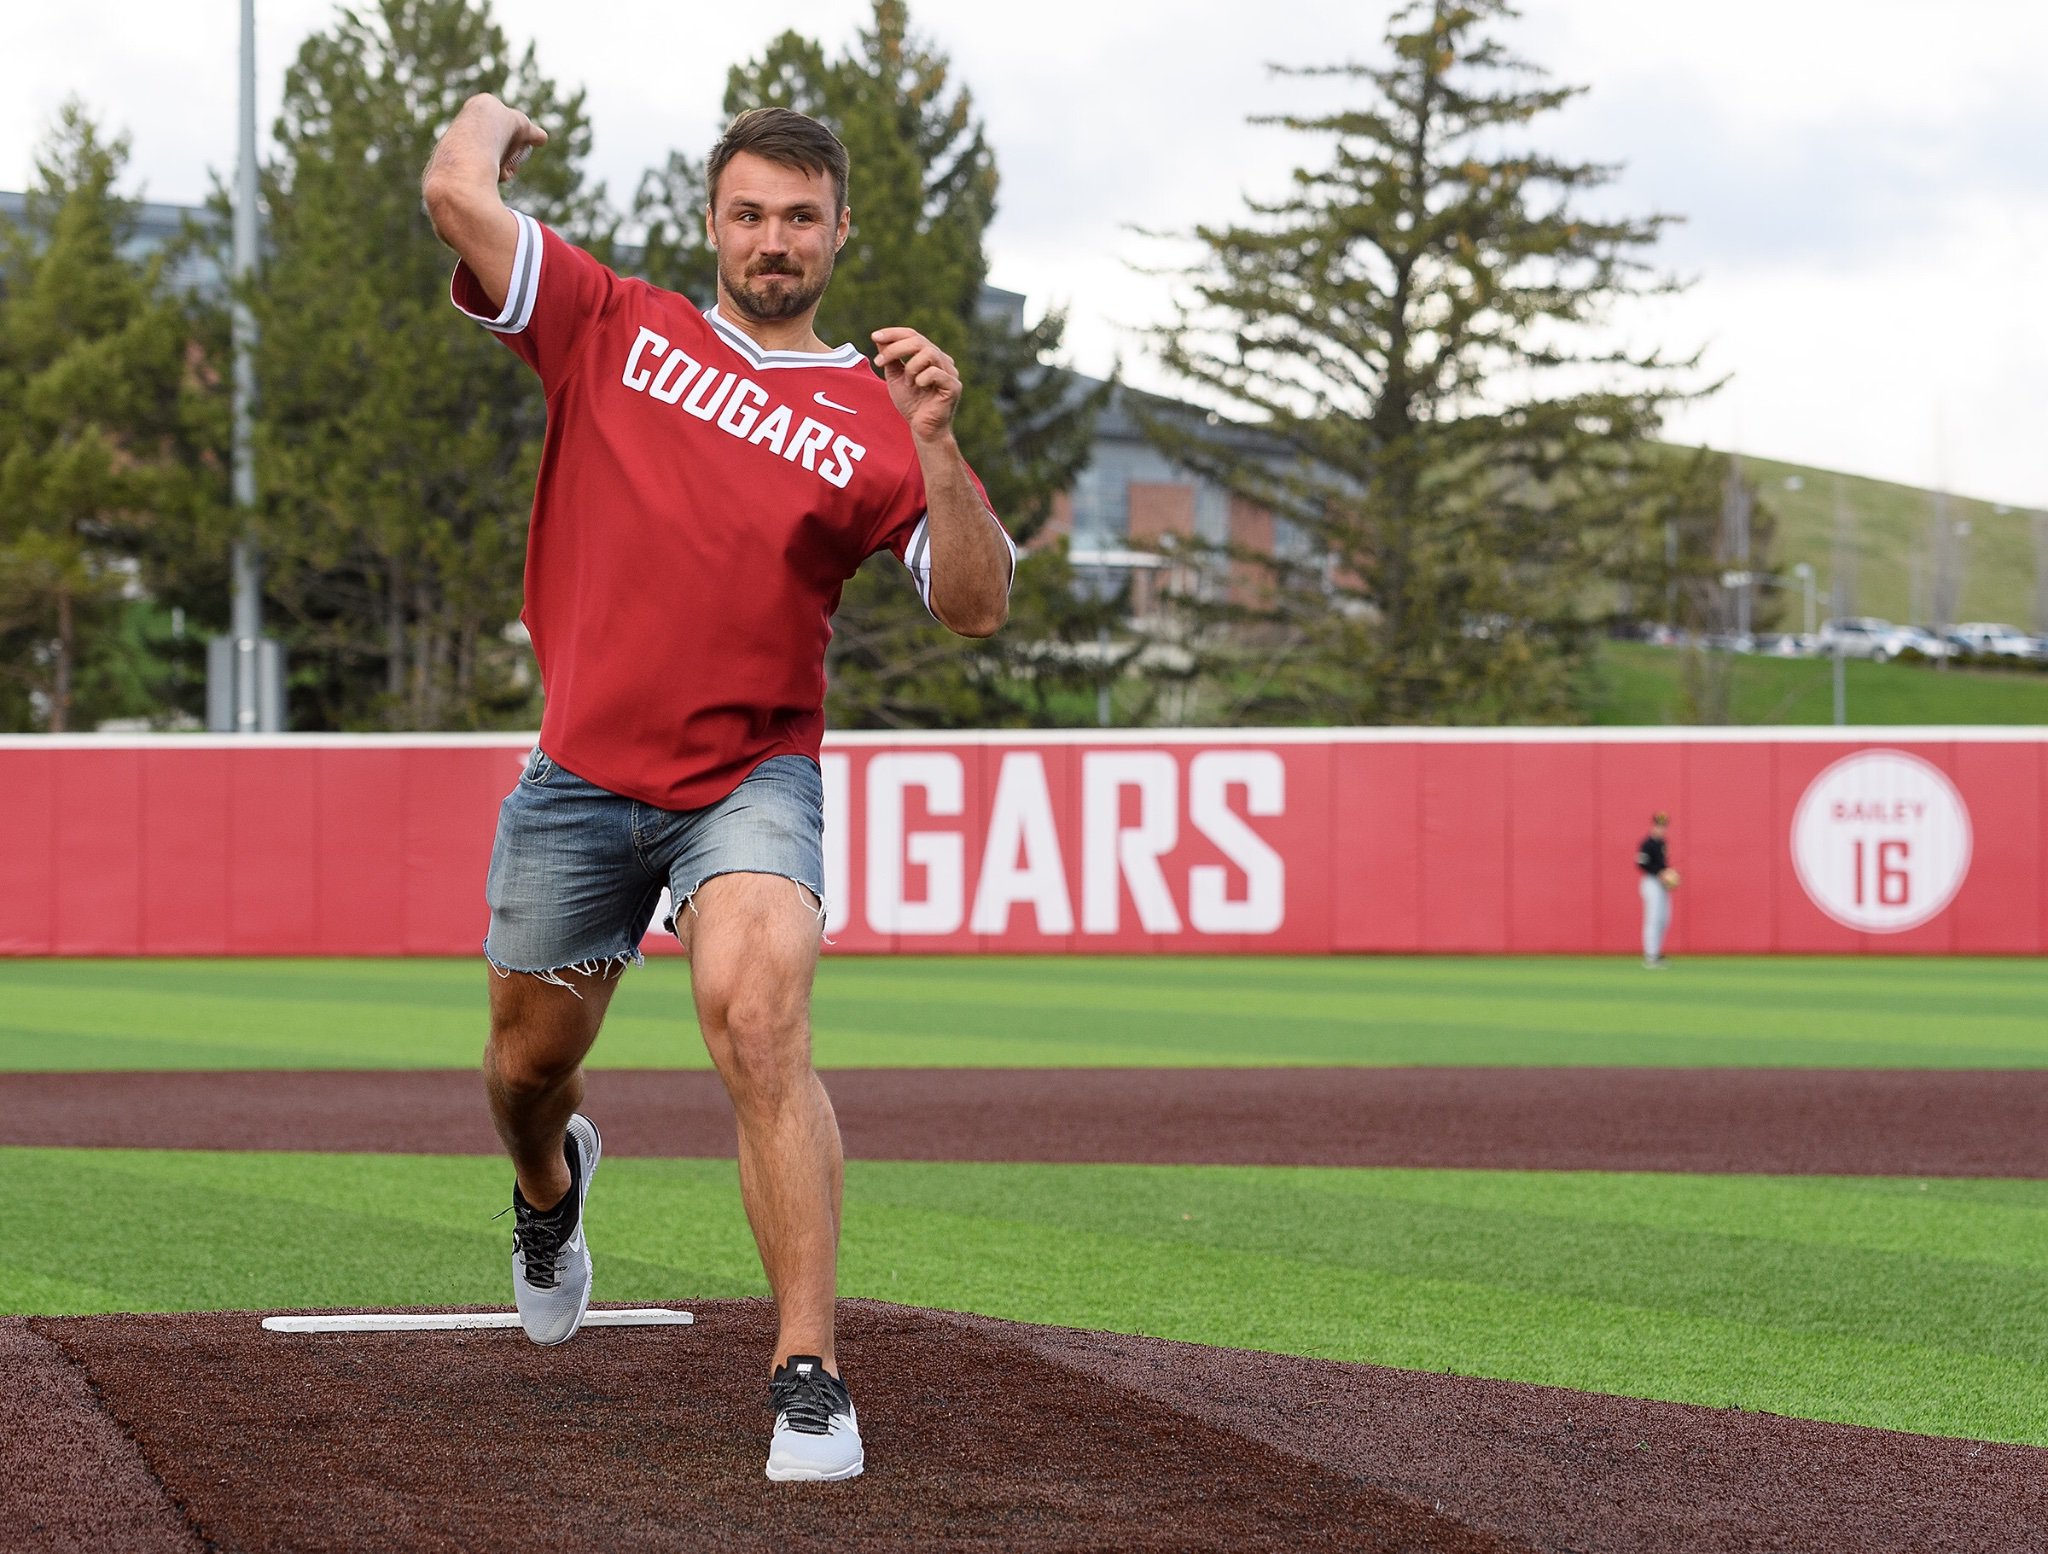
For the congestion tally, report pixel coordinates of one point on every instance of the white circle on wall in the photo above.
(1881, 840)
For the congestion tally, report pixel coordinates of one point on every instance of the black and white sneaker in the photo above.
(550, 1259)
(816, 1435)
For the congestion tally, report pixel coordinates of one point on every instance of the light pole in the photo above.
(1102, 646)
(1804, 572)
(245, 669)
(1841, 686)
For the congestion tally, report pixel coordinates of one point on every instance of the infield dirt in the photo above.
(1891, 1122)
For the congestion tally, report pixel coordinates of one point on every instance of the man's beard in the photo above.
(772, 304)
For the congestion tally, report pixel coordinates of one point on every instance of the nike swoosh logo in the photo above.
(834, 404)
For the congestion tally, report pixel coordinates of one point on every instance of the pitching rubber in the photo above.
(460, 1321)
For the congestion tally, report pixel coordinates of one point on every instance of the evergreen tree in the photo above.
(1445, 442)
(923, 191)
(397, 442)
(101, 437)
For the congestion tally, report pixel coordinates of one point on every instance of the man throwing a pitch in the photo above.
(709, 481)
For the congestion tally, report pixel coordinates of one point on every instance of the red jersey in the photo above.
(701, 503)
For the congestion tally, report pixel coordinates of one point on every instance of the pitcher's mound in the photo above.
(981, 1435)
(632, 1439)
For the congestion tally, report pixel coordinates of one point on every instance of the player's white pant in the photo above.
(1656, 916)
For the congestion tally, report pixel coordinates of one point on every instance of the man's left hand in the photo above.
(922, 381)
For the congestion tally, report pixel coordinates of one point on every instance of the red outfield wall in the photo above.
(1918, 841)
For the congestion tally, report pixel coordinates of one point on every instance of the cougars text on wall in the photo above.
(1285, 842)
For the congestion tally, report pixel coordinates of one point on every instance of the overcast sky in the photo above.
(1865, 184)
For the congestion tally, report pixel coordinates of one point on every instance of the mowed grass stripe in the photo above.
(1907, 1305)
(1074, 1011)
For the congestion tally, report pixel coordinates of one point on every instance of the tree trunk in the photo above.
(394, 633)
(465, 670)
(423, 639)
(60, 677)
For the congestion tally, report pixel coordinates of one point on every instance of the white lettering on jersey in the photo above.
(636, 377)
(845, 454)
(774, 428)
(674, 377)
(741, 408)
(809, 441)
(703, 404)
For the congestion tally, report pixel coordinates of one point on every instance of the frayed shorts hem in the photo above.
(602, 967)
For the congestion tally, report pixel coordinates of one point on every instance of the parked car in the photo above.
(1788, 644)
(1994, 639)
(1729, 641)
(1917, 639)
(1861, 636)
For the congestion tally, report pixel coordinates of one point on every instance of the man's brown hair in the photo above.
(788, 139)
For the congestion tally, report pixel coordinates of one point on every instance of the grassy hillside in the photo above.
(1891, 524)
(1635, 684)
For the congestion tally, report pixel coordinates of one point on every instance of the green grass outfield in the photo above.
(1898, 1303)
(1153, 1011)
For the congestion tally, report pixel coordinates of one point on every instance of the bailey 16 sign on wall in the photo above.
(1882, 841)
(1452, 841)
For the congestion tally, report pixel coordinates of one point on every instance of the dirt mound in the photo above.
(982, 1435)
(654, 1439)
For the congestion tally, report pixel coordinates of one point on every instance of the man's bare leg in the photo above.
(753, 945)
(533, 1070)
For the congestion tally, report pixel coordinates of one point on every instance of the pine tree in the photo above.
(1446, 441)
(397, 442)
(923, 191)
(101, 428)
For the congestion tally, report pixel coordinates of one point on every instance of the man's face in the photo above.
(776, 237)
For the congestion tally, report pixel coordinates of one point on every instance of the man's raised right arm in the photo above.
(481, 150)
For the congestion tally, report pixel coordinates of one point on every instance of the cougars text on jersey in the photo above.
(734, 404)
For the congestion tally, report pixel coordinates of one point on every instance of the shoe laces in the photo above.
(538, 1237)
(805, 1396)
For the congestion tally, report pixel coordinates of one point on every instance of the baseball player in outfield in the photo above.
(709, 481)
(1659, 879)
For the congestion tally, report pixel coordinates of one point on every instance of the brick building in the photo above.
(1132, 512)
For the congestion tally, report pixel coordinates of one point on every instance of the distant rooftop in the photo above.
(154, 225)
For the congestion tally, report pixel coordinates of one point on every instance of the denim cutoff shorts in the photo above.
(577, 870)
